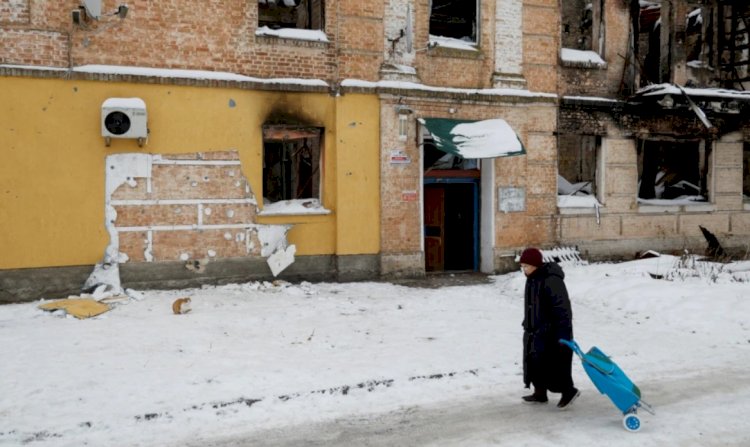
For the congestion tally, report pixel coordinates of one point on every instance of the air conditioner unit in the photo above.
(124, 118)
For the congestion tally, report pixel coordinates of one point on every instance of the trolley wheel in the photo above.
(631, 422)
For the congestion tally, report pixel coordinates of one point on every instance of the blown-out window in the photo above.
(673, 170)
(582, 25)
(576, 165)
(291, 162)
(456, 19)
(301, 14)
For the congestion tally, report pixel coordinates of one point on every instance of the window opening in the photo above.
(582, 25)
(734, 43)
(291, 163)
(456, 19)
(576, 165)
(672, 170)
(301, 14)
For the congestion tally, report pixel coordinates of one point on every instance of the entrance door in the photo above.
(451, 224)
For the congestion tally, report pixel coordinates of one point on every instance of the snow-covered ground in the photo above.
(255, 359)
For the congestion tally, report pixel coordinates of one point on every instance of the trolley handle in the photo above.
(572, 345)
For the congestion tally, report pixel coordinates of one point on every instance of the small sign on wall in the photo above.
(399, 157)
(409, 196)
(511, 199)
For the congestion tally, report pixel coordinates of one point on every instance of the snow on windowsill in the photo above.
(293, 208)
(577, 204)
(683, 203)
(579, 58)
(450, 42)
(293, 33)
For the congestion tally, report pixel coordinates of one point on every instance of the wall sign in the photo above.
(511, 199)
(399, 157)
(409, 196)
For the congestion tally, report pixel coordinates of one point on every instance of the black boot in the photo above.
(567, 398)
(538, 397)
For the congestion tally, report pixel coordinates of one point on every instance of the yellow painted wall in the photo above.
(358, 174)
(52, 161)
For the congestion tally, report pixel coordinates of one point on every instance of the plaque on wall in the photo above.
(511, 199)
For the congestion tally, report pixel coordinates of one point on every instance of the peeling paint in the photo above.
(148, 252)
(272, 238)
(133, 169)
(281, 259)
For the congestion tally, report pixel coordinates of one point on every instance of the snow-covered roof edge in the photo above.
(111, 72)
(664, 89)
(413, 86)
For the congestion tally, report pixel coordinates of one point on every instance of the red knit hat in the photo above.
(532, 256)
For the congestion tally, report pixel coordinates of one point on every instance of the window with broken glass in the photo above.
(291, 162)
(576, 167)
(454, 19)
(300, 14)
(583, 25)
(675, 171)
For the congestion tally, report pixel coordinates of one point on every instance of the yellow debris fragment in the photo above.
(78, 307)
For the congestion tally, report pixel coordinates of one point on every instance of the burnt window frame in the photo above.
(675, 170)
(313, 17)
(447, 4)
(594, 146)
(597, 25)
(292, 141)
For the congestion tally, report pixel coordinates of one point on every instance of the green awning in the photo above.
(474, 139)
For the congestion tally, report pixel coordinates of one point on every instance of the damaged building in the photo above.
(172, 144)
(654, 125)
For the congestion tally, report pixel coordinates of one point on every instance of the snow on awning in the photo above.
(474, 139)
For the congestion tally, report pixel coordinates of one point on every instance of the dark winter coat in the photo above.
(548, 318)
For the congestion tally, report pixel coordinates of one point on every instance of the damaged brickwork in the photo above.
(191, 208)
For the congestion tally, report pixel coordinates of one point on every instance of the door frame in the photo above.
(476, 193)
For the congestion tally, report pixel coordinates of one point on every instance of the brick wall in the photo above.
(541, 44)
(210, 35)
(14, 12)
(188, 207)
(220, 36)
(31, 47)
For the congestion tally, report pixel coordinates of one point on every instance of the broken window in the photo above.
(582, 25)
(291, 162)
(301, 14)
(673, 170)
(456, 19)
(576, 165)
(746, 172)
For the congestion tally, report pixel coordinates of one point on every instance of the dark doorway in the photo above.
(451, 219)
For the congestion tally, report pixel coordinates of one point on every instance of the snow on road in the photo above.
(378, 364)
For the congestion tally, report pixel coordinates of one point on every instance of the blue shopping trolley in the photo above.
(610, 380)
